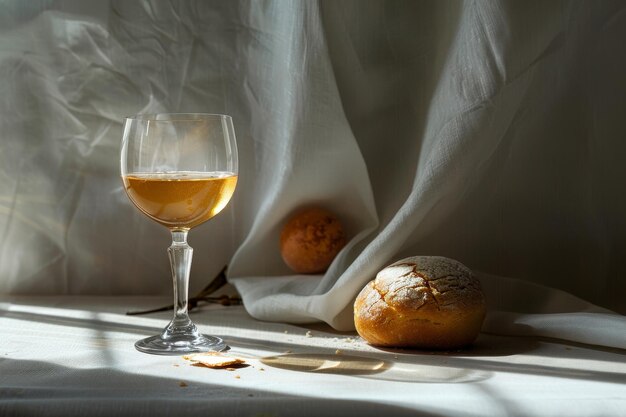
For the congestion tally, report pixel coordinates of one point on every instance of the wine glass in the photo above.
(179, 169)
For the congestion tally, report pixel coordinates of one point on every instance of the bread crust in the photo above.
(426, 302)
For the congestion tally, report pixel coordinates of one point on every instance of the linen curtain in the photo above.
(490, 132)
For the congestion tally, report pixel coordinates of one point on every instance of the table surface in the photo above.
(71, 356)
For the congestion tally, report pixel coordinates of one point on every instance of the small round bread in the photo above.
(424, 302)
(310, 240)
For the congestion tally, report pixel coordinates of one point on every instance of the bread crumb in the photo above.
(261, 369)
(349, 340)
(309, 334)
(338, 352)
(182, 384)
(238, 376)
(213, 360)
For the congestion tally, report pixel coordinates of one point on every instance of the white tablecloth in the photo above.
(74, 356)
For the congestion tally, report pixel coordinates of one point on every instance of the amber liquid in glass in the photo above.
(180, 200)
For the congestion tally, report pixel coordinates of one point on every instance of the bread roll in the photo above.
(425, 302)
(310, 240)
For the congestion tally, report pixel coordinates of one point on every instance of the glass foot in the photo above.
(181, 344)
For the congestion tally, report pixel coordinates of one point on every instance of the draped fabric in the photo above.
(488, 132)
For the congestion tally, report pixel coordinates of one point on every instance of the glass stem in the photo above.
(180, 254)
